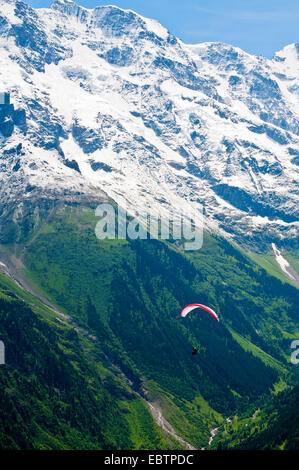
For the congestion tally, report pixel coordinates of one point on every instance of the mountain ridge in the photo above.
(115, 104)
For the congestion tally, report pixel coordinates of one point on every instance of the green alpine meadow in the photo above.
(95, 344)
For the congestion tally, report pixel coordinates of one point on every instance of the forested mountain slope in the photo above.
(128, 295)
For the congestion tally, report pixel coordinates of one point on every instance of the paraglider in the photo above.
(189, 309)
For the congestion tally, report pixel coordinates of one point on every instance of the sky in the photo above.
(259, 27)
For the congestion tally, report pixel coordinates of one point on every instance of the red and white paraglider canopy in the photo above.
(191, 307)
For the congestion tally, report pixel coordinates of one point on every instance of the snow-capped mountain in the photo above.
(105, 100)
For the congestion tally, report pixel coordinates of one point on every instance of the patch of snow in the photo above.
(282, 262)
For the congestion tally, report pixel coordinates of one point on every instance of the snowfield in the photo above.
(116, 104)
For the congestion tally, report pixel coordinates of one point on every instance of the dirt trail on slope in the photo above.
(213, 434)
(166, 426)
(13, 268)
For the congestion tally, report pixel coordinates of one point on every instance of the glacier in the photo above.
(107, 102)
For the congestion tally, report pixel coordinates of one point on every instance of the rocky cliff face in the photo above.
(11, 117)
(116, 103)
